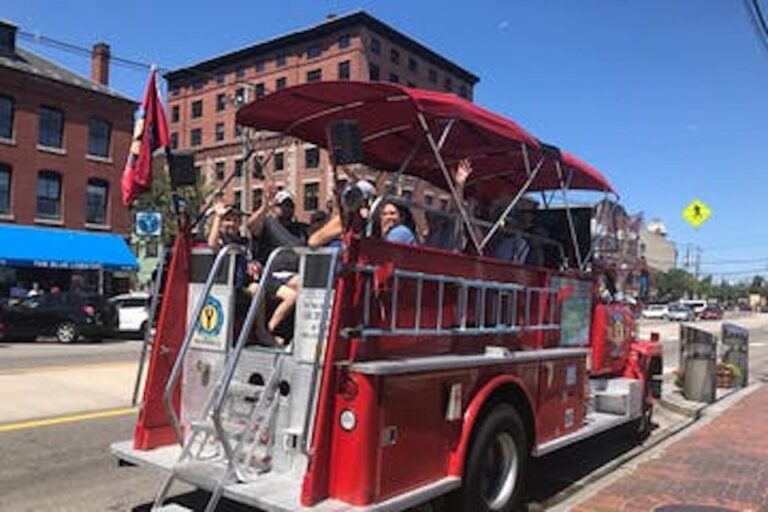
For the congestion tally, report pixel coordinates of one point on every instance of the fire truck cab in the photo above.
(413, 372)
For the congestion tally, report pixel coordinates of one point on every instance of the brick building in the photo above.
(63, 143)
(204, 97)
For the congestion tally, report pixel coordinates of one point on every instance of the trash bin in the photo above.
(699, 352)
(735, 341)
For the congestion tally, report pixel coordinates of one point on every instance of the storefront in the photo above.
(63, 259)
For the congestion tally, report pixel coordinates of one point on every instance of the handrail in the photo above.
(179, 362)
(226, 377)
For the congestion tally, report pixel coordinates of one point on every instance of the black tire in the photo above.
(66, 332)
(496, 464)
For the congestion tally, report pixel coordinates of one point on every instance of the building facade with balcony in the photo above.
(204, 97)
(63, 143)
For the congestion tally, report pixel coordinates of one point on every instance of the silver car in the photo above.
(680, 313)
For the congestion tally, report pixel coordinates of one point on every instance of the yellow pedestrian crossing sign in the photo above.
(696, 213)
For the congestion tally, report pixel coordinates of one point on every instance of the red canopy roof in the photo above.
(388, 115)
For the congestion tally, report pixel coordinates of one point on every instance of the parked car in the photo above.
(680, 313)
(696, 305)
(712, 312)
(67, 316)
(655, 311)
(132, 312)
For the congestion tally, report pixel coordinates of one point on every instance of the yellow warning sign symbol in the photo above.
(696, 213)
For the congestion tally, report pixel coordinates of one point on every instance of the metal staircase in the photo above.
(234, 438)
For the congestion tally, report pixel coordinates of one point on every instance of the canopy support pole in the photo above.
(404, 167)
(569, 215)
(501, 221)
(447, 175)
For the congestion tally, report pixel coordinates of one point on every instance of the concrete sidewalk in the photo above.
(55, 391)
(722, 461)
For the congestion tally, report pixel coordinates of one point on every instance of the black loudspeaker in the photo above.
(345, 142)
(182, 169)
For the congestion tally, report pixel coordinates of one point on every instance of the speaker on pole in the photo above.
(181, 166)
(345, 142)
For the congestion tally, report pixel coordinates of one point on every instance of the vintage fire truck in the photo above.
(413, 372)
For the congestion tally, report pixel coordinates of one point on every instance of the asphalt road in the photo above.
(68, 467)
(34, 354)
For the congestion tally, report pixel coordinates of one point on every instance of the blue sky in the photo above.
(667, 98)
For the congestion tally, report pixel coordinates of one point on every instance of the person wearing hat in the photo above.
(278, 228)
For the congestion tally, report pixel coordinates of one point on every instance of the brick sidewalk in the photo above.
(723, 463)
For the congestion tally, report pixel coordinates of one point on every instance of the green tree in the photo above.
(673, 285)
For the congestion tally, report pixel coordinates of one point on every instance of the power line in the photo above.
(758, 21)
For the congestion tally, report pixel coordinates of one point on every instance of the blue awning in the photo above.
(26, 246)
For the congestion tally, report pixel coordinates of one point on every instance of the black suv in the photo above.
(65, 315)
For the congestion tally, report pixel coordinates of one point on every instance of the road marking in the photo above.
(62, 368)
(60, 420)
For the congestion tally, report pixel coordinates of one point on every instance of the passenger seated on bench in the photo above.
(396, 224)
(225, 229)
(513, 246)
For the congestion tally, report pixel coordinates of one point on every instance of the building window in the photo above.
(312, 158)
(238, 130)
(195, 137)
(239, 96)
(220, 77)
(49, 195)
(219, 132)
(408, 195)
(6, 117)
(344, 70)
(373, 73)
(394, 56)
(174, 91)
(448, 84)
(5, 189)
(279, 161)
(51, 129)
(428, 200)
(221, 102)
(375, 46)
(314, 51)
(260, 90)
(256, 199)
(280, 60)
(463, 91)
(315, 75)
(344, 41)
(311, 199)
(174, 140)
(411, 84)
(258, 66)
(394, 78)
(197, 85)
(197, 109)
(239, 71)
(218, 170)
(175, 114)
(413, 65)
(433, 76)
(280, 83)
(96, 197)
(238, 198)
(238, 168)
(99, 134)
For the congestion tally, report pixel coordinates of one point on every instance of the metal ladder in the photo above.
(499, 298)
(254, 428)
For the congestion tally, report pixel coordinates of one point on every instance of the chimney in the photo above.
(100, 63)
(7, 38)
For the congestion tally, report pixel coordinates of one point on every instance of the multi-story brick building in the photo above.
(63, 143)
(204, 97)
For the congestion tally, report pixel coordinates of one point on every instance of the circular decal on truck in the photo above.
(211, 318)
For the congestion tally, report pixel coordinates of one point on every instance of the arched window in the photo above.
(96, 201)
(49, 195)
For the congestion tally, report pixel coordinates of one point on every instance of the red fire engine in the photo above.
(413, 372)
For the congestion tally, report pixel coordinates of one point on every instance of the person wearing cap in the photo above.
(225, 230)
(278, 228)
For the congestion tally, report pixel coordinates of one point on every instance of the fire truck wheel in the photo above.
(496, 464)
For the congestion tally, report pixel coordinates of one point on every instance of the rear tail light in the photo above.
(89, 310)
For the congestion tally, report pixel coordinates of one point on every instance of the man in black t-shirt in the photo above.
(279, 229)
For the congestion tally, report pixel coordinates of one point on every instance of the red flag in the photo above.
(149, 133)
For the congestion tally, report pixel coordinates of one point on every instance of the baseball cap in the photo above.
(232, 209)
(282, 196)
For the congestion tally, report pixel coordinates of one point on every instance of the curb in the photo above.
(694, 414)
